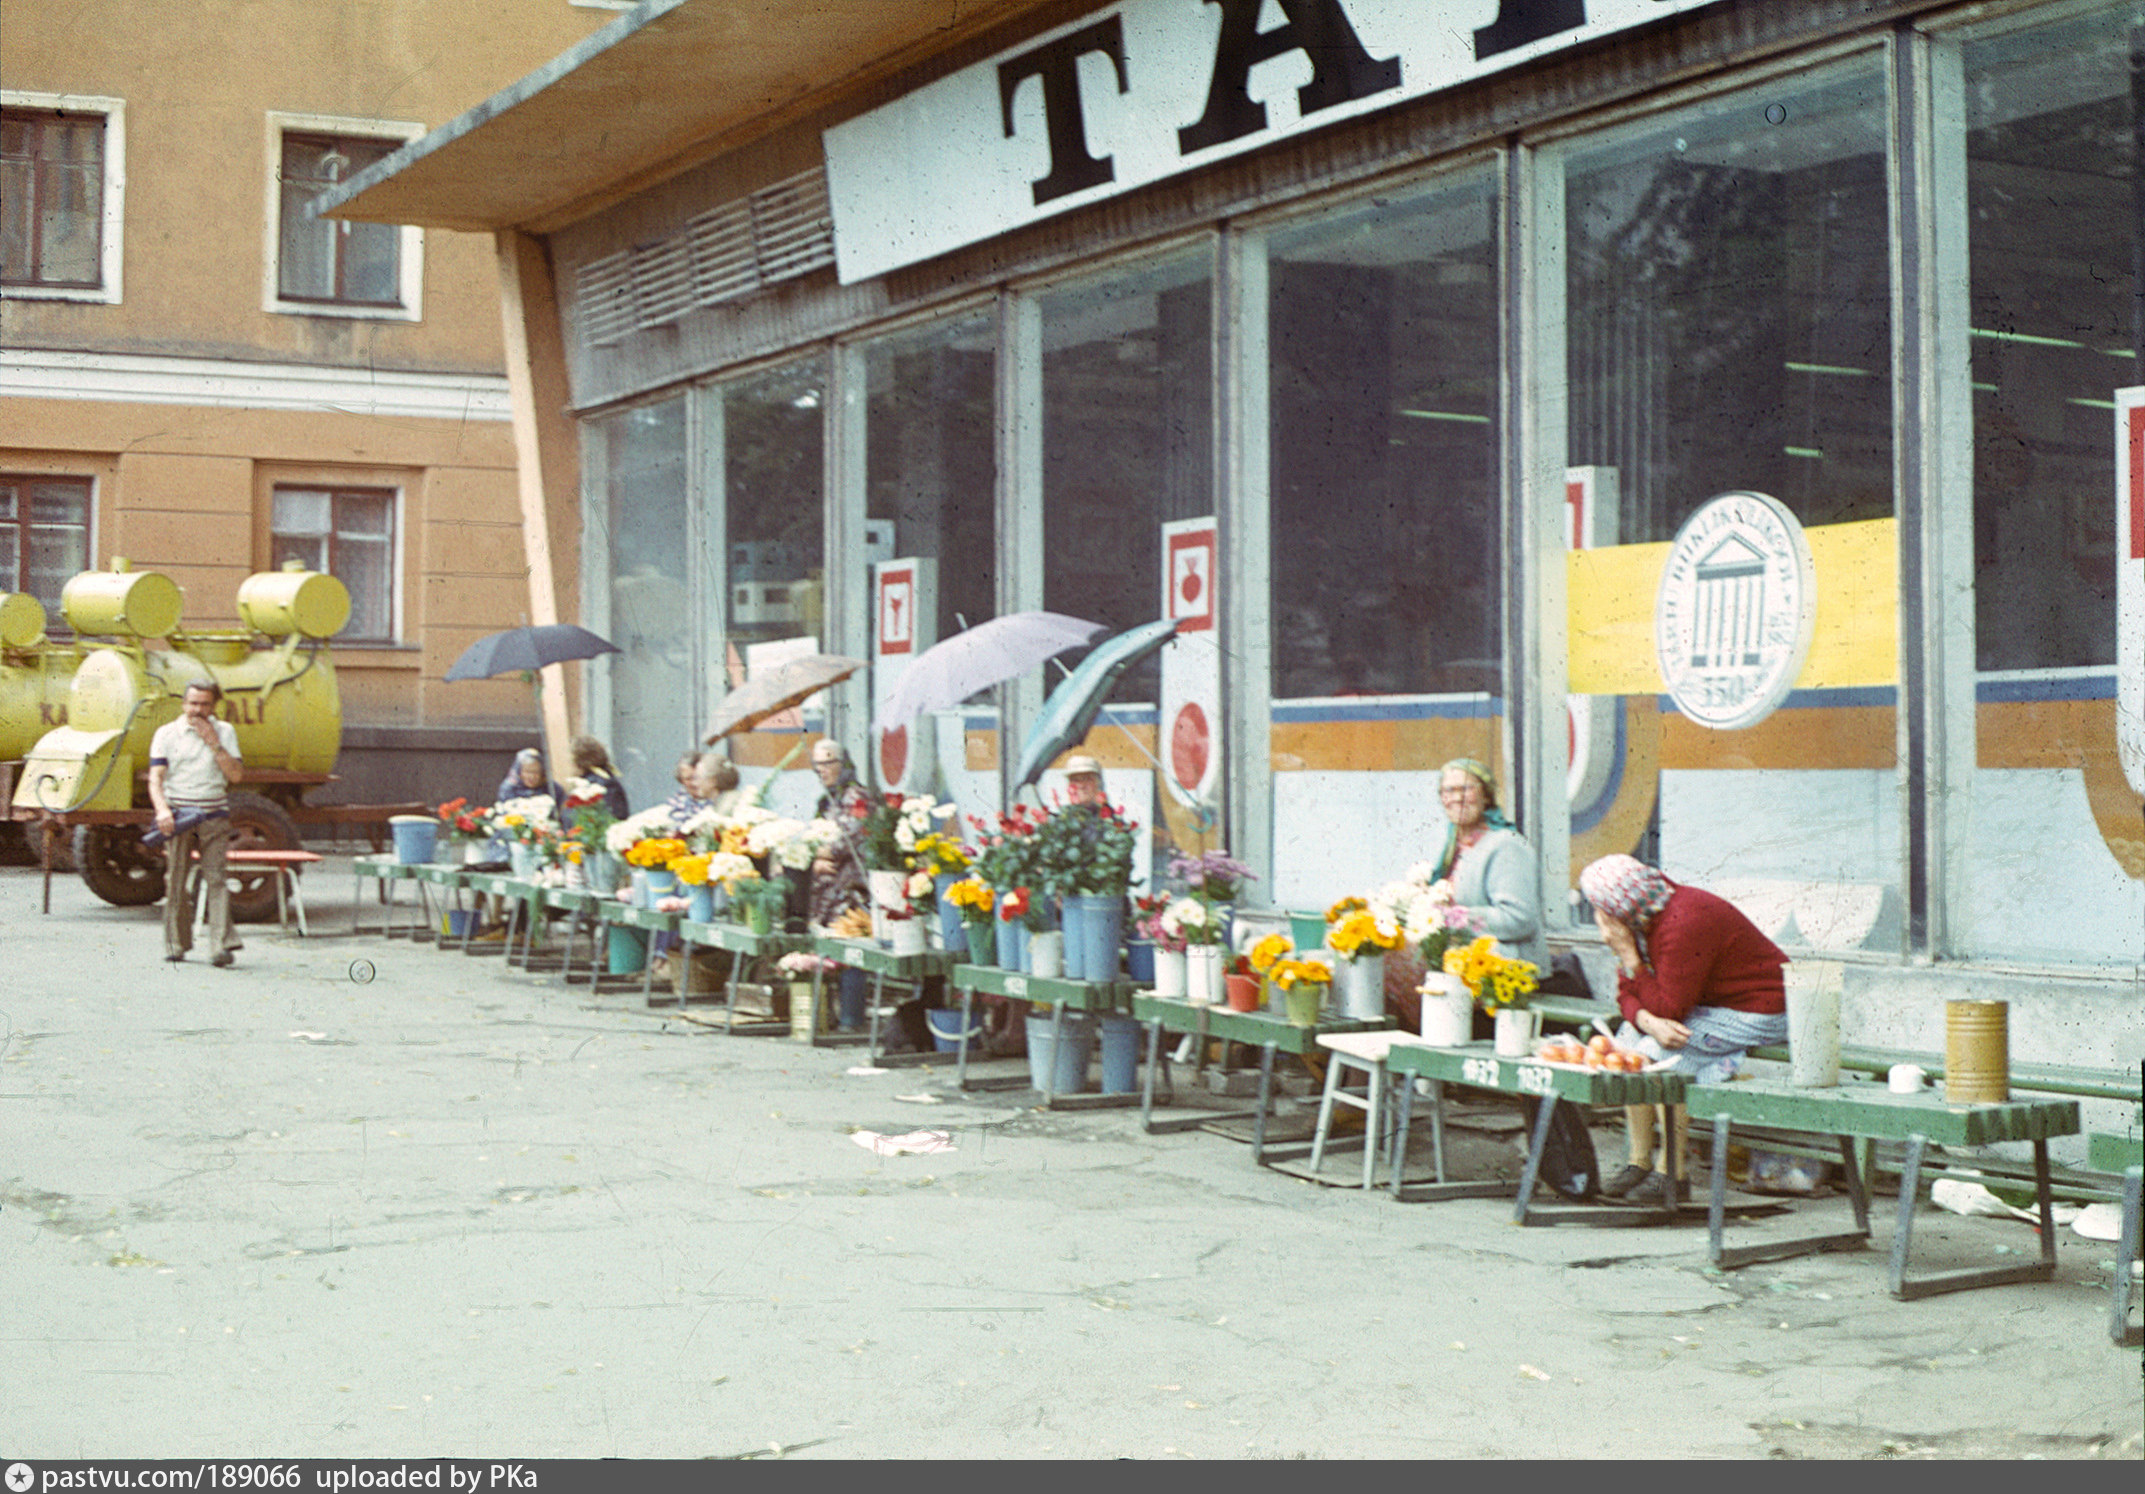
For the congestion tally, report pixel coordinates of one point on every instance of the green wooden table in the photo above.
(578, 903)
(386, 871)
(524, 904)
(882, 965)
(1059, 995)
(1858, 1109)
(449, 881)
(1478, 1066)
(743, 943)
(1268, 1033)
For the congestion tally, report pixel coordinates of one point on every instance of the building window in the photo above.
(348, 533)
(60, 175)
(328, 266)
(44, 535)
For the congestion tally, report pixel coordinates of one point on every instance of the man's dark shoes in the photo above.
(1632, 1175)
(1652, 1191)
(221, 959)
(174, 959)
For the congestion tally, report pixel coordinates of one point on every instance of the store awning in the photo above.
(663, 87)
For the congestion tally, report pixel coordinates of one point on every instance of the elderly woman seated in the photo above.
(1698, 983)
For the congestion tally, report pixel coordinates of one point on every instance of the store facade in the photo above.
(1710, 414)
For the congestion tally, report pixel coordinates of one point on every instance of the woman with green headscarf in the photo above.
(1487, 867)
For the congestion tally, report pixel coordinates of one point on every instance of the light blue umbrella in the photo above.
(1070, 712)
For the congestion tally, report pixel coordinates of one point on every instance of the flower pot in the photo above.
(415, 836)
(475, 851)
(700, 903)
(640, 896)
(521, 859)
(1072, 923)
(1243, 993)
(605, 872)
(760, 916)
(908, 936)
(1013, 945)
(945, 1025)
(889, 891)
(1204, 966)
(1139, 961)
(625, 951)
(1062, 1052)
(662, 882)
(1102, 932)
(1448, 1010)
(1046, 955)
(1362, 987)
(1169, 976)
(804, 1015)
(1121, 1039)
(1303, 1003)
(982, 938)
(952, 927)
(1516, 1032)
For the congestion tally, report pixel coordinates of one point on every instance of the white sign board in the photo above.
(1151, 88)
(904, 625)
(1188, 733)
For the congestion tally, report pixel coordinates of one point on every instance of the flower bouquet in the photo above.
(972, 898)
(1303, 985)
(1360, 934)
(460, 820)
(1499, 982)
(1211, 876)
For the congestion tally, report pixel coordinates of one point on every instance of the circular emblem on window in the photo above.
(1732, 621)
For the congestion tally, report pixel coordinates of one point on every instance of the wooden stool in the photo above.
(1364, 1051)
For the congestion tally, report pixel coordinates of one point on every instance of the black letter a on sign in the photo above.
(1522, 21)
(1341, 71)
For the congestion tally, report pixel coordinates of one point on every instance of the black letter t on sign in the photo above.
(1057, 64)
(1341, 71)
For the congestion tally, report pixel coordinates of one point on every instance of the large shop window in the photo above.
(1382, 351)
(773, 484)
(44, 537)
(2056, 864)
(1728, 329)
(347, 533)
(651, 619)
(1127, 440)
(930, 488)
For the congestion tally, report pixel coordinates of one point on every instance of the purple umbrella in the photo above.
(943, 676)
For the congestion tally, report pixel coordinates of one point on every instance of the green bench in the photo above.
(1859, 1109)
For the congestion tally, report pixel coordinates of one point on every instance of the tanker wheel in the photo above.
(258, 824)
(117, 866)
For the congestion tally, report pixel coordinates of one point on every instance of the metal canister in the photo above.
(1977, 1052)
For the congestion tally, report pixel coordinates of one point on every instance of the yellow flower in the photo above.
(1358, 933)
(1344, 907)
(1268, 952)
(971, 895)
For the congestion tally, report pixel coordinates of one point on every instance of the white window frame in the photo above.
(111, 251)
(315, 480)
(409, 252)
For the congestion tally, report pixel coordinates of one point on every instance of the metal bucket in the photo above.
(1977, 1052)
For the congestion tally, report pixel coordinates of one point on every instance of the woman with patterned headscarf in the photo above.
(1487, 867)
(1699, 985)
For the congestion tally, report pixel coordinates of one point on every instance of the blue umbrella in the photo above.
(527, 648)
(1070, 712)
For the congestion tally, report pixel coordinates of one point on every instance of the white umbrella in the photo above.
(988, 654)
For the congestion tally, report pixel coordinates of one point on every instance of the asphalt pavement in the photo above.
(364, 1198)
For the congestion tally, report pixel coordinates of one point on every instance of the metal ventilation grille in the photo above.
(778, 233)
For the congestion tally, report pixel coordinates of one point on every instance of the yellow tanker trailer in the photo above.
(279, 692)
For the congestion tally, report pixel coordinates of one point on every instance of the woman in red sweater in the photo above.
(1699, 985)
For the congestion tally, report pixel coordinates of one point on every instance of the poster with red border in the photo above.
(1188, 722)
(904, 623)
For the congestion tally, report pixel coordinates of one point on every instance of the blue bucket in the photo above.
(1121, 1039)
(945, 1025)
(626, 951)
(416, 837)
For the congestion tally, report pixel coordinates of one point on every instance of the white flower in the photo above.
(915, 822)
(537, 809)
(1422, 873)
(771, 834)
(620, 837)
(705, 827)
(1185, 916)
(729, 868)
(921, 885)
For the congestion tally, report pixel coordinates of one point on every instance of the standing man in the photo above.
(1083, 780)
(193, 762)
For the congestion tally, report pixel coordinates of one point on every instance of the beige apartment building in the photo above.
(201, 377)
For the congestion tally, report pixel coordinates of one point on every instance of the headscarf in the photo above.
(1627, 889)
(1492, 816)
